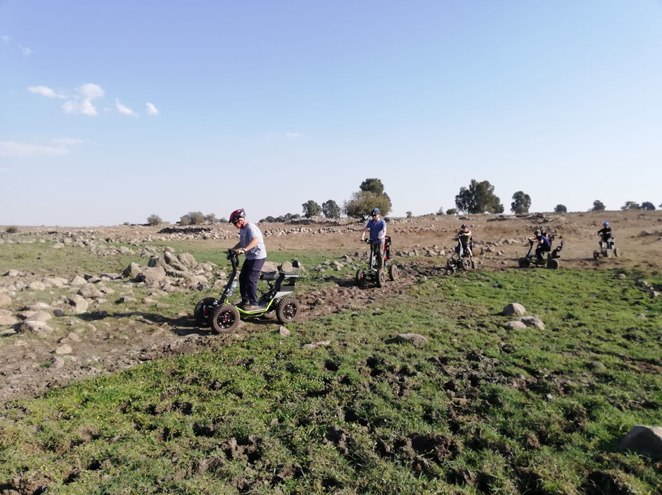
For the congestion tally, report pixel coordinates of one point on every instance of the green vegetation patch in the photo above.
(476, 409)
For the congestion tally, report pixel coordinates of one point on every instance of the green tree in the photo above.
(193, 218)
(373, 185)
(451, 211)
(211, 218)
(331, 209)
(311, 209)
(631, 205)
(647, 205)
(154, 220)
(560, 209)
(409, 214)
(479, 197)
(521, 202)
(598, 205)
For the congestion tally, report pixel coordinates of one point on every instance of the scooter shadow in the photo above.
(182, 326)
(341, 282)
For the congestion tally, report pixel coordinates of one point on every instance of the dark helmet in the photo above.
(464, 225)
(538, 232)
(375, 211)
(606, 224)
(237, 215)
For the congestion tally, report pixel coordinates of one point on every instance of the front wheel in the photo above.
(552, 264)
(360, 279)
(596, 255)
(224, 318)
(524, 262)
(203, 311)
(616, 253)
(466, 264)
(381, 278)
(287, 310)
(393, 272)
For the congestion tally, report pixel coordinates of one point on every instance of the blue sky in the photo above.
(267, 104)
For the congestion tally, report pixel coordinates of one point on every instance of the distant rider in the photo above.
(544, 246)
(465, 237)
(251, 243)
(606, 236)
(376, 227)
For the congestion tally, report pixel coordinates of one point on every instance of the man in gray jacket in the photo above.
(251, 244)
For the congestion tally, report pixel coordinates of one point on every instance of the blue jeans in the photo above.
(250, 274)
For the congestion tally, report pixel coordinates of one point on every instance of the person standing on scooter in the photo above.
(606, 235)
(251, 243)
(465, 237)
(376, 227)
(543, 244)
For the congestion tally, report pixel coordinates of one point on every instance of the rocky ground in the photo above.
(56, 328)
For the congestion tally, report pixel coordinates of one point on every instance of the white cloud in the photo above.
(26, 51)
(151, 109)
(293, 135)
(45, 91)
(124, 110)
(67, 141)
(5, 38)
(82, 103)
(12, 148)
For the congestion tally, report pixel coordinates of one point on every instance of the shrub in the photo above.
(12, 230)
(451, 211)
(409, 214)
(647, 205)
(154, 220)
(521, 203)
(311, 209)
(479, 197)
(598, 205)
(193, 218)
(211, 218)
(631, 205)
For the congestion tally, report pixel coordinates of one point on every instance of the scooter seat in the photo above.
(269, 275)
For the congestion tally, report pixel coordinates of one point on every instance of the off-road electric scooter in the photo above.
(550, 262)
(374, 273)
(223, 316)
(607, 248)
(464, 260)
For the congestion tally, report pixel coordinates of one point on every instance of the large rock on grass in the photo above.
(187, 260)
(532, 321)
(7, 318)
(38, 327)
(152, 275)
(514, 309)
(89, 291)
(515, 325)
(412, 338)
(5, 301)
(78, 304)
(77, 281)
(646, 440)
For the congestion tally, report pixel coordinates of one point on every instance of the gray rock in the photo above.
(36, 285)
(89, 291)
(641, 316)
(284, 331)
(132, 271)
(38, 316)
(7, 332)
(514, 309)
(64, 349)
(54, 282)
(77, 281)
(126, 299)
(7, 318)
(270, 266)
(532, 321)
(646, 440)
(38, 327)
(12, 273)
(321, 343)
(58, 363)
(5, 301)
(413, 338)
(187, 260)
(515, 325)
(78, 304)
(152, 275)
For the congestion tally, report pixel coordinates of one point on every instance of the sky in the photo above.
(113, 111)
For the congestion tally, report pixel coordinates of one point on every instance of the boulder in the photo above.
(5, 301)
(514, 309)
(64, 349)
(152, 275)
(645, 440)
(412, 338)
(270, 266)
(38, 327)
(38, 316)
(532, 321)
(187, 260)
(12, 273)
(36, 285)
(284, 331)
(7, 318)
(78, 304)
(90, 291)
(132, 271)
(515, 325)
(77, 281)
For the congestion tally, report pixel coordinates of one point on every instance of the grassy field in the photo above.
(476, 409)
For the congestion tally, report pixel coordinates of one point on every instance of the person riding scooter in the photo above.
(251, 243)
(376, 227)
(606, 237)
(465, 237)
(543, 246)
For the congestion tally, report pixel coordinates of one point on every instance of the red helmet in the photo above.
(237, 215)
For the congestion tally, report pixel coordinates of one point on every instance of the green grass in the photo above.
(478, 409)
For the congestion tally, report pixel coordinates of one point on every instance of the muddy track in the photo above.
(113, 342)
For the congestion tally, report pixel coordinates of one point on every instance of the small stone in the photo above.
(58, 312)
(38, 327)
(58, 363)
(641, 316)
(515, 325)
(284, 331)
(5, 301)
(64, 349)
(412, 338)
(321, 343)
(36, 285)
(514, 309)
(7, 318)
(532, 321)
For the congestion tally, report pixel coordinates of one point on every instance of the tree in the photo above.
(479, 197)
(521, 203)
(560, 209)
(451, 211)
(211, 218)
(598, 205)
(647, 205)
(154, 220)
(371, 195)
(193, 218)
(331, 209)
(631, 205)
(409, 214)
(372, 185)
(440, 211)
(311, 209)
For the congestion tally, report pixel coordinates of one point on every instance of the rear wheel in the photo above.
(287, 309)
(203, 311)
(466, 264)
(360, 279)
(524, 262)
(596, 255)
(608, 253)
(381, 278)
(224, 318)
(552, 264)
(616, 253)
(393, 272)
(450, 262)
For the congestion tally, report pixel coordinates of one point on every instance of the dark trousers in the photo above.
(540, 250)
(250, 273)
